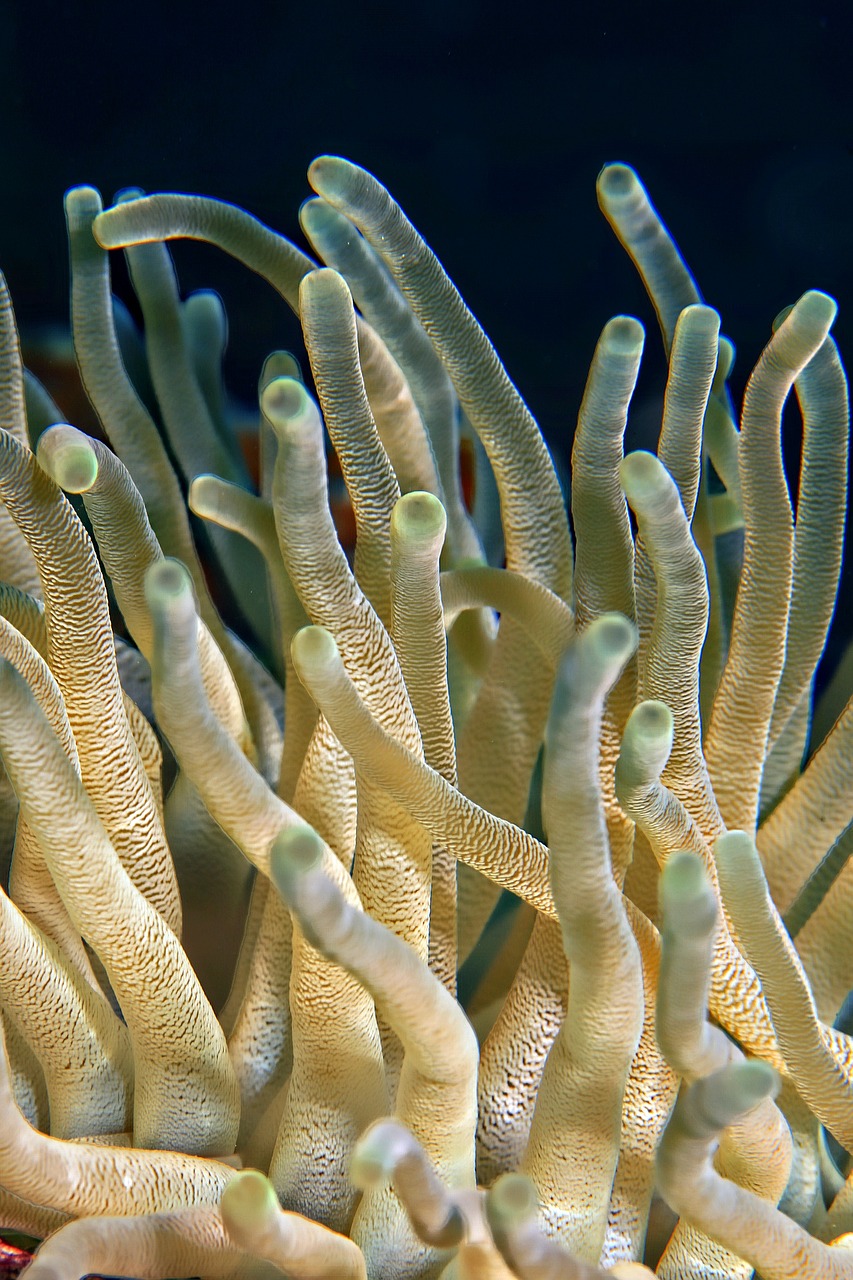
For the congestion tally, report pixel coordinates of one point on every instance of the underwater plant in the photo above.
(537, 852)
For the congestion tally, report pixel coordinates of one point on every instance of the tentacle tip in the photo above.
(623, 336)
(248, 1204)
(284, 401)
(687, 899)
(723, 1098)
(82, 204)
(329, 173)
(313, 649)
(203, 494)
(511, 1200)
(329, 230)
(698, 315)
(420, 517)
(615, 636)
(782, 316)
(124, 195)
(293, 853)
(813, 314)
(167, 582)
(653, 720)
(315, 218)
(642, 475)
(322, 287)
(106, 228)
(617, 180)
(684, 873)
(591, 665)
(67, 456)
(821, 304)
(377, 1153)
(735, 850)
(755, 1081)
(369, 1169)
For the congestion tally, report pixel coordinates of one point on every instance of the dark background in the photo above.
(488, 122)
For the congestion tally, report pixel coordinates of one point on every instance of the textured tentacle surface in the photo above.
(511, 999)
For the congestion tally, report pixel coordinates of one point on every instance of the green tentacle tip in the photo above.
(735, 853)
(687, 899)
(109, 227)
(684, 876)
(324, 225)
(167, 583)
(612, 636)
(377, 1153)
(653, 722)
(782, 317)
(285, 402)
(249, 1202)
(323, 287)
(591, 665)
(331, 176)
(419, 517)
(813, 314)
(623, 336)
(207, 496)
(756, 1080)
(313, 649)
(120, 226)
(725, 361)
(82, 205)
(646, 744)
(699, 318)
(511, 1200)
(293, 853)
(279, 364)
(67, 456)
(724, 1097)
(125, 194)
(618, 182)
(643, 477)
(736, 1089)
(205, 309)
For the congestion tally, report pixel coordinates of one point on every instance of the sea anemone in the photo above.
(545, 919)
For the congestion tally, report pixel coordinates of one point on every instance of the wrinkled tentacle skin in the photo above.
(514, 998)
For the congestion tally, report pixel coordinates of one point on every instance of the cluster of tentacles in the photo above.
(562, 773)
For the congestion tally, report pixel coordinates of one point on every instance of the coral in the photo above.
(543, 886)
